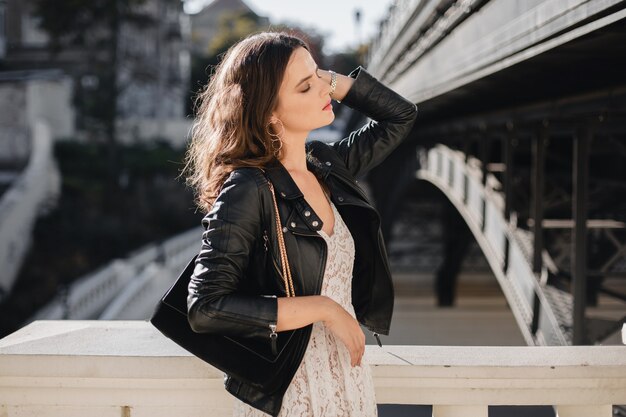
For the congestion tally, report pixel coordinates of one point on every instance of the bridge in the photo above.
(521, 128)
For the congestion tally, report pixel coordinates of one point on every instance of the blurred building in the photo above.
(2, 34)
(205, 23)
(152, 71)
(27, 92)
(48, 94)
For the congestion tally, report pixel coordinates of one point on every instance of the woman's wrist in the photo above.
(343, 83)
(328, 308)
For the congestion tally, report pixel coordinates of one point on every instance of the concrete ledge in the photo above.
(97, 368)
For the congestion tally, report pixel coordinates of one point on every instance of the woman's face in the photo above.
(302, 96)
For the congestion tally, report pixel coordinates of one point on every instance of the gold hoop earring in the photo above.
(276, 137)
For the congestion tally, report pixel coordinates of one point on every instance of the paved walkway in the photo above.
(480, 317)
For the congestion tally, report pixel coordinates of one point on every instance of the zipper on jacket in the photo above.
(378, 339)
(273, 337)
(276, 267)
(265, 240)
(273, 334)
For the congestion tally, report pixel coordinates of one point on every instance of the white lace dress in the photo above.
(325, 384)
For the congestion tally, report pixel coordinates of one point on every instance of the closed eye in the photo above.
(308, 88)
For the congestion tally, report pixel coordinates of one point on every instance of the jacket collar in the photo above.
(285, 185)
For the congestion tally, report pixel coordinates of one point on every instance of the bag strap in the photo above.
(281, 244)
(283, 250)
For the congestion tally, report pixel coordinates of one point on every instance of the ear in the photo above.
(274, 118)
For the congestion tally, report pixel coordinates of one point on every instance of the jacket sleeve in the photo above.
(232, 226)
(392, 117)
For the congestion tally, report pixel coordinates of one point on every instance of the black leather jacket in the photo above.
(232, 292)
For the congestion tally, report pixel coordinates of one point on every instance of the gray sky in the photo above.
(332, 17)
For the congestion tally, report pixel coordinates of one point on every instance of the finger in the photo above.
(324, 74)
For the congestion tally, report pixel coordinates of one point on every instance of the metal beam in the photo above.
(484, 150)
(563, 114)
(538, 172)
(507, 180)
(507, 185)
(580, 178)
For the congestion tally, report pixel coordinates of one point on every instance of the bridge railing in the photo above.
(139, 297)
(125, 288)
(399, 15)
(34, 191)
(113, 368)
(507, 249)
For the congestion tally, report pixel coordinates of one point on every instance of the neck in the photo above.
(294, 152)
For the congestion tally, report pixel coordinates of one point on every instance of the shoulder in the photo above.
(240, 189)
(246, 179)
(247, 175)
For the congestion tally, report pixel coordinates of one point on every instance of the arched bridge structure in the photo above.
(522, 127)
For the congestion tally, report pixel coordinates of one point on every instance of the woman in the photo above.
(265, 97)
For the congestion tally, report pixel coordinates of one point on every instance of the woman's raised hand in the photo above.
(347, 329)
(323, 74)
(343, 83)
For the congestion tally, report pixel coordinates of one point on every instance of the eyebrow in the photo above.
(307, 77)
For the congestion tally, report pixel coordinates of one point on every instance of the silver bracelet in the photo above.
(333, 82)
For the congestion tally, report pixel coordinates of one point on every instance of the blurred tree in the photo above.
(92, 26)
(310, 35)
(234, 26)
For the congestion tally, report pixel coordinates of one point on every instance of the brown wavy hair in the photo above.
(233, 109)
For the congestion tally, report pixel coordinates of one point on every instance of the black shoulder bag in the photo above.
(231, 355)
